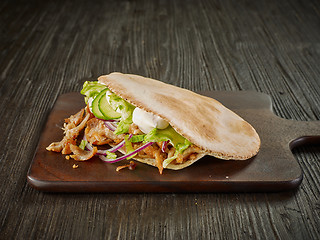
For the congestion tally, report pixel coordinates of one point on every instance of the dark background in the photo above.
(51, 47)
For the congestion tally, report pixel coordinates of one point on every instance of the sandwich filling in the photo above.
(110, 120)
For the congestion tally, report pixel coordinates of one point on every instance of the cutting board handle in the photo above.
(308, 133)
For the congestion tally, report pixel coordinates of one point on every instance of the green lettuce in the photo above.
(91, 89)
(126, 110)
(83, 144)
(111, 155)
(129, 148)
(168, 134)
(137, 138)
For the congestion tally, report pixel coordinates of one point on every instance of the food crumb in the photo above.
(75, 166)
(67, 157)
(131, 166)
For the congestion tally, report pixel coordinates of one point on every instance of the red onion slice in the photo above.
(164, 146)
(114, 149)
(88, 145)
(110, 126)
(103, 158)
(102, 153)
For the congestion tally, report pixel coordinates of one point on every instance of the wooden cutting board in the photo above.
(273, 169)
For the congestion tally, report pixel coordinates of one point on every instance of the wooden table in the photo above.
(49, 48)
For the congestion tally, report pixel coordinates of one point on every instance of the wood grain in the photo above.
(50, 47)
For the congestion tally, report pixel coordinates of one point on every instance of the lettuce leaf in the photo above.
(126, 110)
(129, 148)
(179, 142)
(91, 89)
(137, 138)
(83, 144)
(167, 161)
(111, 155)
(161, 135)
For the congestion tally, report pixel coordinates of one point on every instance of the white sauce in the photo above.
(147, 121)
(108, 93)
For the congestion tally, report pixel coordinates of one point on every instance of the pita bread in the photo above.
(202, 120)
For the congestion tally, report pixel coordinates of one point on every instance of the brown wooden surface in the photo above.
(50, 47)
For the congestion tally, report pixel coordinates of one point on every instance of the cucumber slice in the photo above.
(95, 105)
(107, 111)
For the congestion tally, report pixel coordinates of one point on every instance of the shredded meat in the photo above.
(134, 129)
(179, 159)
(190, 150)
(76, 118)
(80, 154)
(67, 144)
(74, 132)
(153, 151)
(171, 152)
(97, 133)
(72, 127)
(159, 160)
